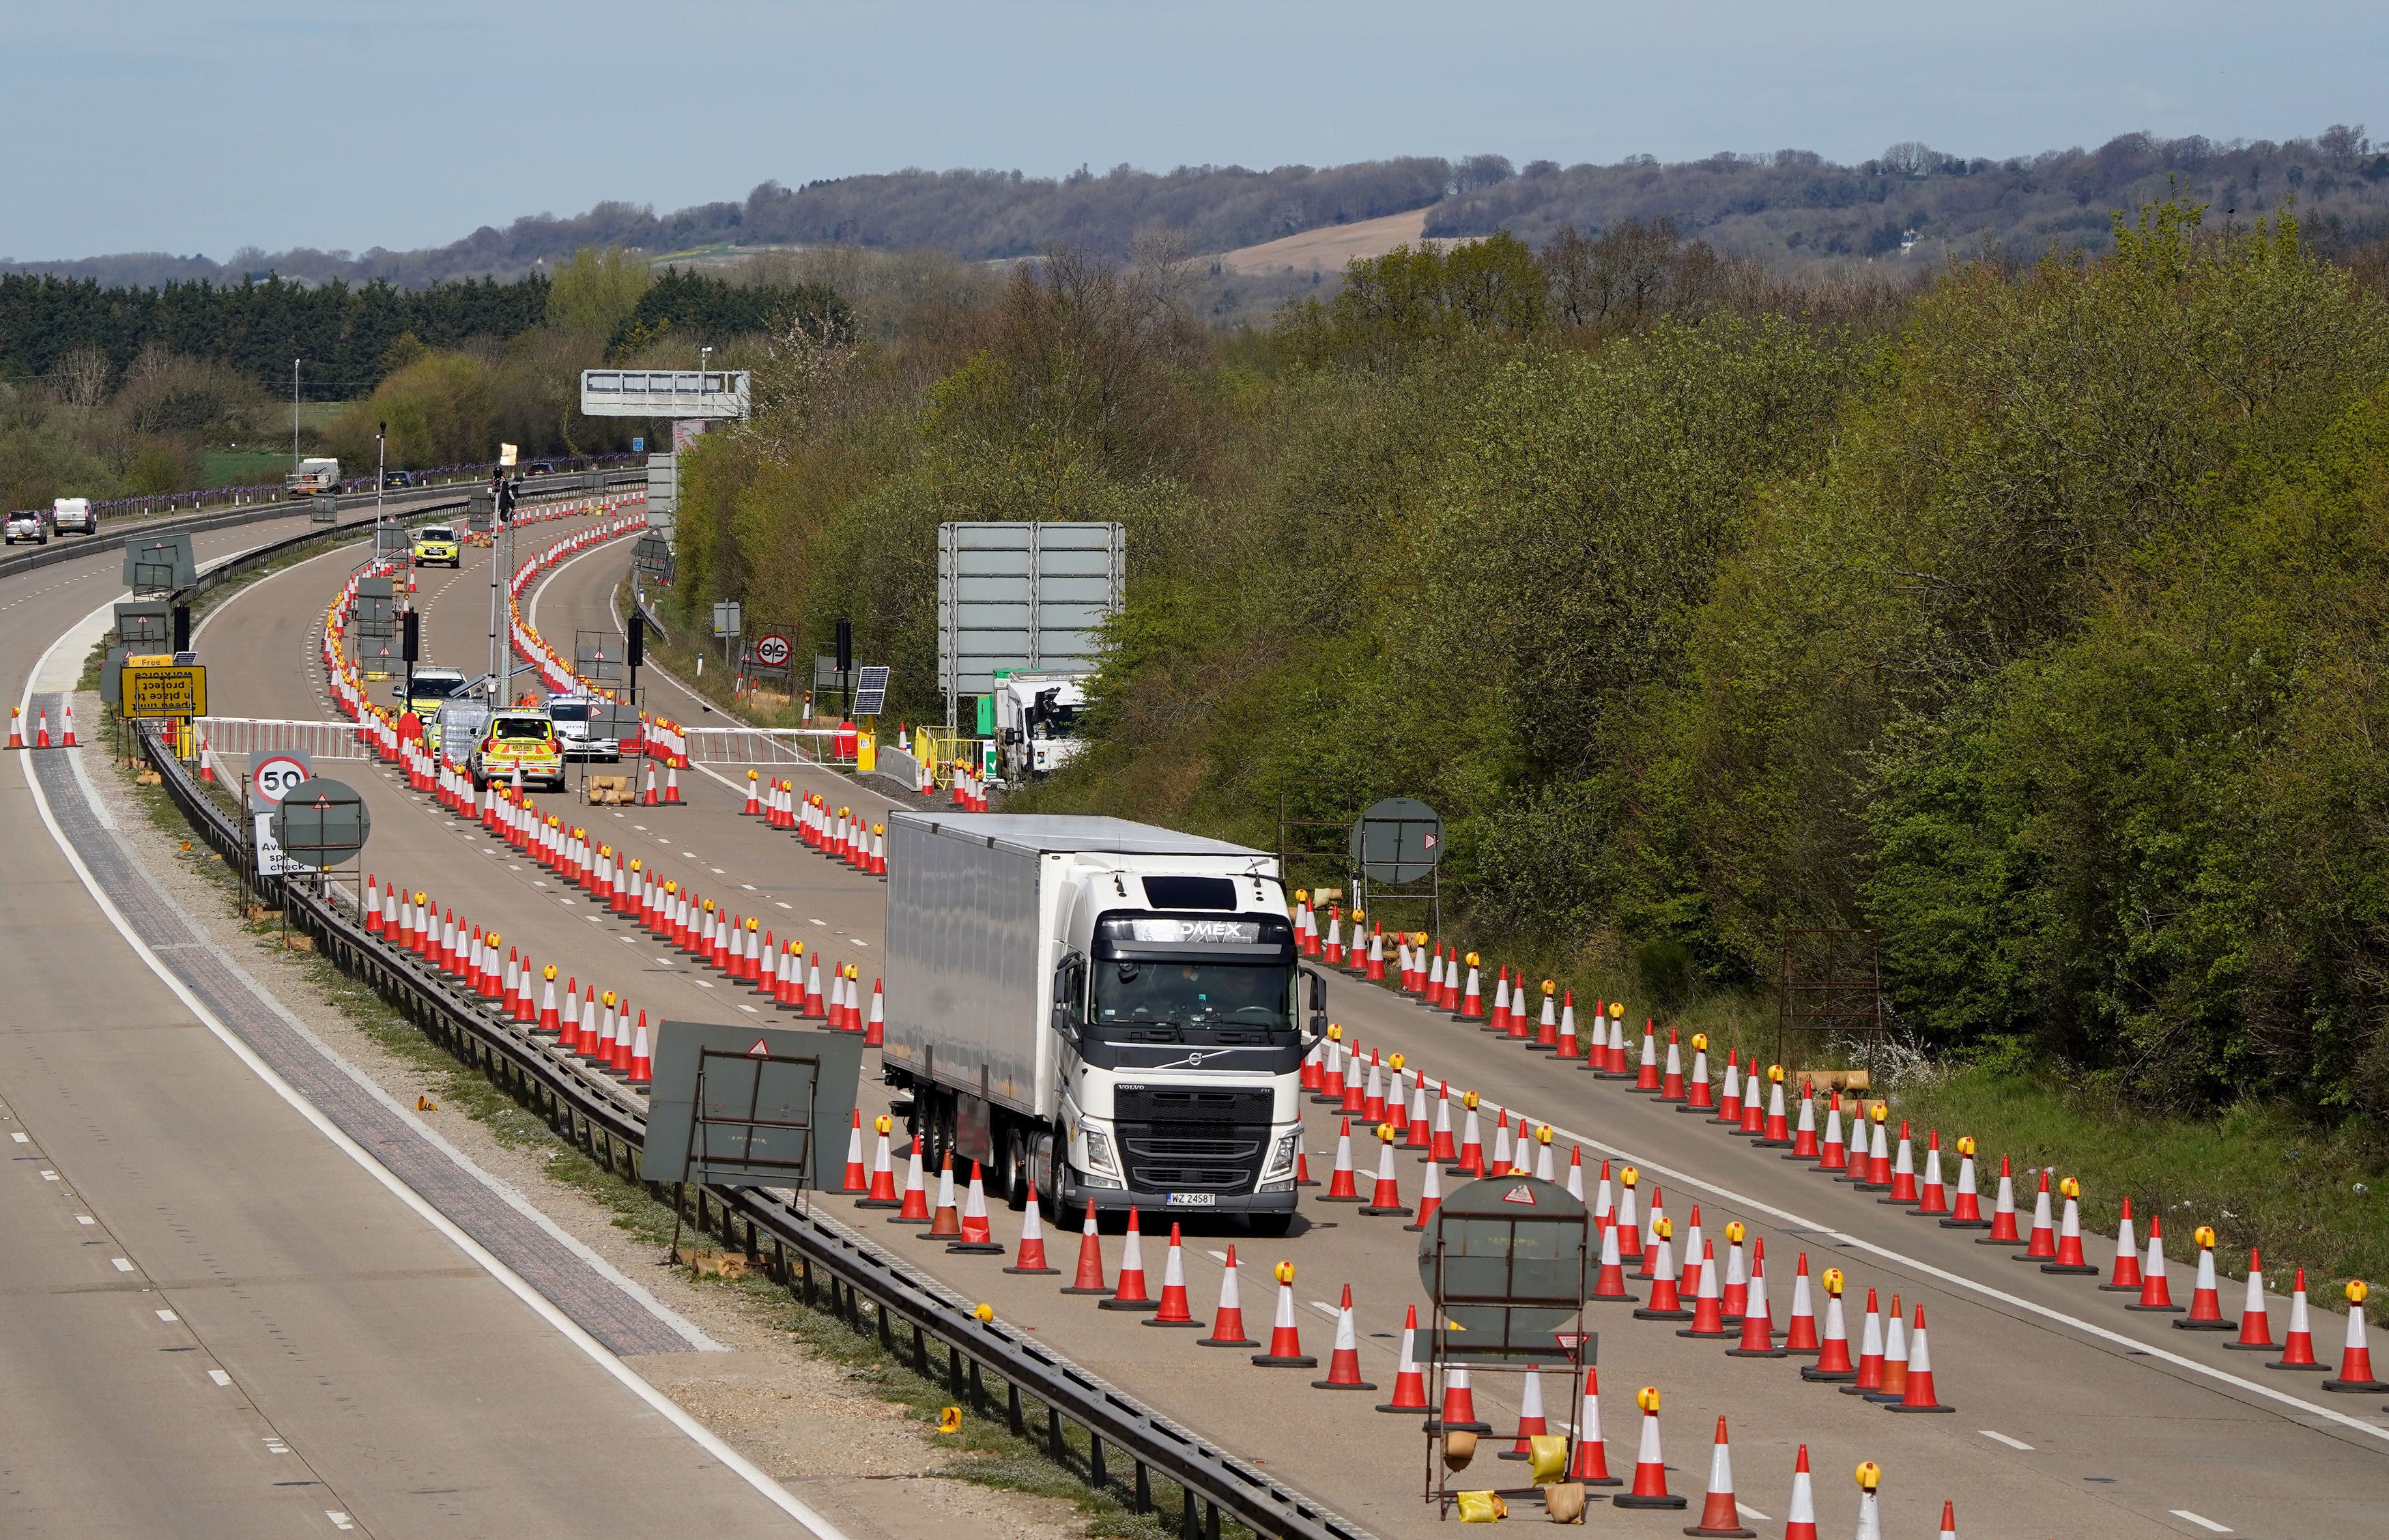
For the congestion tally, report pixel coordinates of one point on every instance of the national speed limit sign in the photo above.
(273, 775)
(772, 650)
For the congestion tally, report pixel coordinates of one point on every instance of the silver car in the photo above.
(584, 726)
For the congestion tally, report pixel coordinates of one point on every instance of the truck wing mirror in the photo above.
(1318, 990)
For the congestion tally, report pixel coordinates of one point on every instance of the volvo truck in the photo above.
(1113, 1011)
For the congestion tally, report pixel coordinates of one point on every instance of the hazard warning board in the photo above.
(161, 690)
(747, 1108)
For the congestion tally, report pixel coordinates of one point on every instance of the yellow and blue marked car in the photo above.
(437, 544)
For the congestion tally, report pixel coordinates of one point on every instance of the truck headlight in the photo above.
(1281, 1161)
(1099, 1152)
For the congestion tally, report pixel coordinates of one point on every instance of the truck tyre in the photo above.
(1014, 1173)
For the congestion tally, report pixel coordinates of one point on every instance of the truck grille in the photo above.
(1180, 1157)
(1143, 1104)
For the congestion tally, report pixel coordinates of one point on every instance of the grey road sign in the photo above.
(159, 563)
(1016, 596)
(871, 690)
(322, 825)
(715, 394)
(725, 617)
(750, 1106)
(143, 623)
(1399, 839)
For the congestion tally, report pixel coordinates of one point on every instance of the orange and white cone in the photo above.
(1344, 1362)
(68, 741)
(1948, 1519)
(1031, 1258)
(1869, 1524)
(2354, 1376)
(1800, 1515)
(1090, 1279)
(1228, 1321)
(1471, 1161)
(2069, 1234)
(1664, 1304)
(915, 1208)
(1919, 1396)
(1128, 1293)
(1757, 1322)
(1409, 1384)
(2125, 1276)
(2297, 1347)
(1440, 1148)
(1341, 1187)
(858, 1176)
(1173, 1311)
(643, 1065)
(1609, 1284)
(1868, 1378)
(979, 1236)
(2206, 1300)
(1649, 1489)
(1932, 1203)
(2043, 1244)
(2003, 1212)
(1286, 1338)
(1589, 1464)
(2256, 1322)
(1387, 1199)
(1895, 1357)
(1709, 1313)
(1459, 1414)
(1800, 1325)
(1720, 1515)
(945, 1220)
(1832, 1364)
(1532, 1421)
(1430, 1198)
(2154, 1295)
(883, 1171)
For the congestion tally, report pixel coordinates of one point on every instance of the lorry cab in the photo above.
(1111, 1010)
(1037, 720)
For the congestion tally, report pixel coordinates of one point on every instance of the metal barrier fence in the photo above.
(265, 734)
(760, 746)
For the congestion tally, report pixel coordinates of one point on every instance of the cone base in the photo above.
(1237, 1341)
(976, 1249)
(2070, 1269)
(1722, 1533)
(1416, 1229)
(1926, 1213)
(1995, 1240)
(1396, 1406)
(1036, 1270)
(1767, 1144)
(1696, 1108)
(1965, 1224)
(1374, 1211)
(2357, 1387)
(1672, 1101)
(1308, 1182)
(1074, 1288)
(1331, 1198)
(901, 1219)
(1196, 1325)
(1757, 1353)
(2254, 1347)
(2308, 1369)
(1147, 1305)
(934, 1233)
(1627, 1499)
(1432, 1426)
(1270, 1361)
(1613, 1298)
(1598, 1481)
(878, 1203)
(2151, 1309)
(1341, 1385)
(1816, 1376)
(2205, 1326)
(1855, 1389)
(2119, 1289)
(1796, 1155)
(1903, 1406)
(1713, 1336)
(1646, 1314)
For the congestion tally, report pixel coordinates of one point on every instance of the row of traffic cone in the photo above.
(42, 731)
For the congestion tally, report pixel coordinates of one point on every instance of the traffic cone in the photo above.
(1588, 1465)
(1286, 1338)
(2255, 1323)
(1650, 1488)
(915, 1208)
(1419, 1135)
(1373, 1099)
(1757, 1321)
(979, 1236)
(874, 1028)
(1532, 1423)
(1664, 1304)
(643, 1064)
(1302, 1177)
(1471, 1162)
(1341, 1187)
(2069, 1234)
(1603, 1200)
(1697, 1096)
(1965, 1208)
(1471, 1004)
(754, 808)
(1708, 1311)
(1932, 1203)
(1646, 1073)
(1228, 1321)
(68, 741)
(1832, 1364)
(2154, 1295)
(1948, 1519)
(1720, 1515)
(1500, 1166)
(1352, 1098)
(1671, 1083)
(1031, 1258)
(1868, 1378)
(2297, 1347)
(1876, 1177)
(1576, 1172)
(1728, 1107)
(15, 726)
(1430, 1198)
(1800, 1327)
(1776, 1132)
(42, 734)
(1903, 1177)
(883, 1171)
(1629, 1228)
(2206, 1301)
(1128, 1293)
(1387, 1199)
(647, 798)
(549, 1020)
(1409, 1384)
(858, 1176)
(1616, 1062)
(1173, 1311)
(1344, 1361)
(1895, 1357)
(672, 786)
(2356, 1358)
(1833, 1153)
(2043, 1245)
(1800, 1516)
(1870, 1525)
(1736, 1286)
(1090, 1260)
(1920, 1396)
(945, 1220)
(1440, 1147)
(1500, 1023)
(1609, 1285)
(2003, 1212)
(1312, 1065)
(1804, 1134)
(1568, 1044)
(1459, 1414)
(1651, 1228)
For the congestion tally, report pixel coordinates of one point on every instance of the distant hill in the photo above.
(1788, 209)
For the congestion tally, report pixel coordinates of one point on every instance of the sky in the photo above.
(202, 126)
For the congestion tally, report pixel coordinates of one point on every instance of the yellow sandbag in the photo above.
(1548, 1456)
(1482, 1508)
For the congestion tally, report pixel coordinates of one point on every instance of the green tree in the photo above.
(597, 291)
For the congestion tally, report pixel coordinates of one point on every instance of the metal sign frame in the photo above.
(706, 1113)
(718, 394)
(1835, 983)
(315, 830)
(1023, 597)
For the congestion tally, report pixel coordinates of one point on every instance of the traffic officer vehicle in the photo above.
(518, 739)
(437, 544)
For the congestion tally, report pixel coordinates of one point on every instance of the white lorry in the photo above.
(1037, 722)
(1112, 1010)
(73, 513)
(313, 478)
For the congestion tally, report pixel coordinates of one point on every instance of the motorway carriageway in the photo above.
(2075, 1417)
(213, 1324)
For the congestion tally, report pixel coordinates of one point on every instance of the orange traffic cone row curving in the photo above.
(1720, 1515)
(1228, 1321)
(1031, 1258)
(1649, 1489)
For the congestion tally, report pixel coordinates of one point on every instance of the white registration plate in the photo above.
(1192, 1200)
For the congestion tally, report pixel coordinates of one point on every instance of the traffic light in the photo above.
(844, 646)
(410, 636)
(505, 500)
(182, 628)
(638, 639)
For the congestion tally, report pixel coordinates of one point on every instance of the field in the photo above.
(1327, 248)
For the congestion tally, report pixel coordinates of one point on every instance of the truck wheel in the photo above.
(1014, 1173)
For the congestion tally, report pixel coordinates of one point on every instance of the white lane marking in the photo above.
(220, 1376)
(85, 1219)
(340, 1520)
(564, 1325)
(784, 905)
(1749, 1512)
(123, 1265)
(750, 1010)
(1331, 1311)
(2202, 1520)
(168, 1315)
(49, 1176)
(703, 983)
(21, 1138)
(822, 923)
(858, 940)
(1998, 1437)
(1219, 1257)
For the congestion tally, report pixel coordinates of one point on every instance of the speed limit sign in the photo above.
(272, 774)
(772, 650)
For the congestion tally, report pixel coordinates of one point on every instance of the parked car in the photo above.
(32, 524)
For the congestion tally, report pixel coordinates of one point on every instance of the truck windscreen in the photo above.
(1194, 1000)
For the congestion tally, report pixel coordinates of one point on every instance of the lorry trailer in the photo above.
(1111, 1010)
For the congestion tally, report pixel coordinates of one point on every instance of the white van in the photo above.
(73, 513)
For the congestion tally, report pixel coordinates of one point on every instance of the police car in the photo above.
(437, 544)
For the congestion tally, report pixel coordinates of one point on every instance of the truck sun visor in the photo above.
(1193, 933)
(1190, 892)
(1248, 938)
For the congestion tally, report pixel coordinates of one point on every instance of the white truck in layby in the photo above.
(1111, 1009)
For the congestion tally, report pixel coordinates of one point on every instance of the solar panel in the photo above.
(871, 690)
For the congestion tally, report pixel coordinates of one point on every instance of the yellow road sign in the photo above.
(173, 690)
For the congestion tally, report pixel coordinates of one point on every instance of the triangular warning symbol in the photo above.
(1520, 1194)
(760, 1051)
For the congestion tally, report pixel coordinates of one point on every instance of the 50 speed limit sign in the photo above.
(273, 775)
(772, 650)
